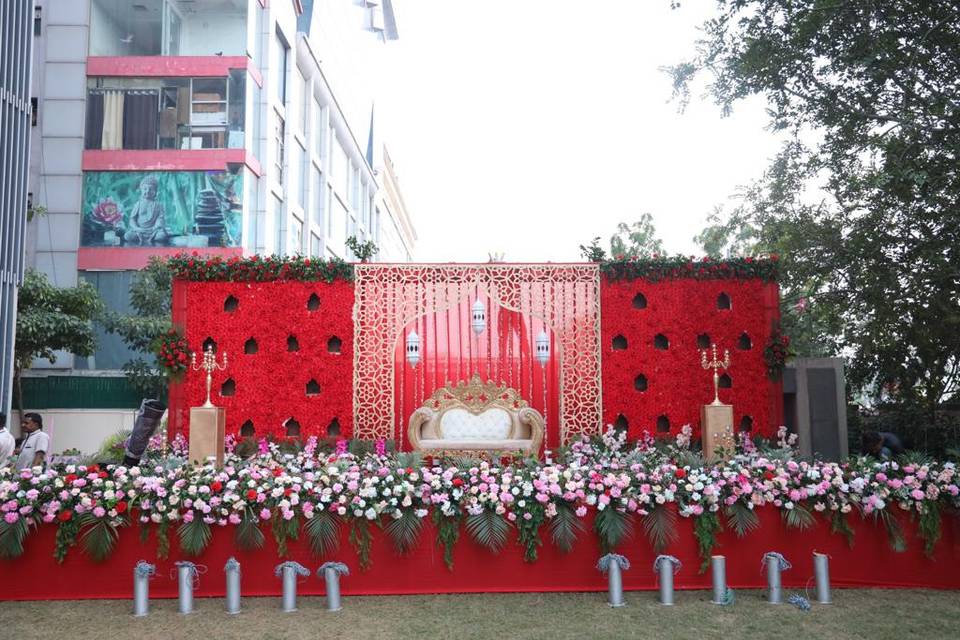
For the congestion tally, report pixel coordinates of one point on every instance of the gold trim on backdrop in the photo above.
(388, 297)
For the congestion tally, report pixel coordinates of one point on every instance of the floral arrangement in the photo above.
(173, 354)
(656, 267)
(317, 492)
(256, 268)
(776, 353)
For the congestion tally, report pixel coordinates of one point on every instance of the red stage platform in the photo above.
(870, 563)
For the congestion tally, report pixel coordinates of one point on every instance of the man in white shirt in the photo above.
(7, 443)
(33, 449)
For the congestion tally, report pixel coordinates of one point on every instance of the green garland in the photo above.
(706, 526)
(67, 532)
(448, 532)
(362, 540)
(197, 268)
(667, 267)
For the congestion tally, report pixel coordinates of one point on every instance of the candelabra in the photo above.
(209, 365)
(716, 365)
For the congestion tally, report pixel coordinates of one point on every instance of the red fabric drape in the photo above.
(451, 351)
(870, 563)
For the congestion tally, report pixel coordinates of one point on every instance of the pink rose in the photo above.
(10, 517)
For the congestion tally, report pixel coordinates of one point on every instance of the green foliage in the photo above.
(12, 537)
(798, 518)
(194, 536)
(612, 527)
(448, 532)
(565, 528)
(362, 250)
(151, 292)
(660, 527)
(861, 201)
(742, 519)
(323, 532)
(163, 539)
(67, 533)
(593, 252)
(361, 539)
(894, 531)
(638, 240)
(668, 267)
(248, 535)
(404, 531)
(841, 525)
(929, 527)
(706, 526)
(51, 319)
(488, 529)
(284, 530)
(99, 536)
(257, 269)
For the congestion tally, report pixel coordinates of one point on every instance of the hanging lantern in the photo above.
(543, 348)
(479, 317)
(413, 349)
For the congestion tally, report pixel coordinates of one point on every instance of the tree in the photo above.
(151, 292)
(51, 319)
(862, 199)
(636, 240)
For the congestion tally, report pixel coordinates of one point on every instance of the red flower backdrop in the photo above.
(674, 384)
(293, 351)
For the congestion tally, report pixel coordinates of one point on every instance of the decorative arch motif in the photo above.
(565, 296)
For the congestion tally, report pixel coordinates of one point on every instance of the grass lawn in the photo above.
(873, 614)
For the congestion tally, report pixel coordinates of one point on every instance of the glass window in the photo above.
(297, 165)
(114, 288)
(315, 245)
(279, 134)
(318, 192)
(296, 236)
(283, 52)
(236, 109)
(340, 170)
(318, 129)
(355, 187)
(304, 102)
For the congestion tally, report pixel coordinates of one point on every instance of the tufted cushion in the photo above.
(460, 424)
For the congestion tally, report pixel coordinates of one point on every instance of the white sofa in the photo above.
(478, 417)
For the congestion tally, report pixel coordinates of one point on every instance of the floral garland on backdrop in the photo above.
(656, 268)
(200, 268)
(317, 493)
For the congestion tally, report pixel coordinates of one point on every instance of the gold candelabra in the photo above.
(716, 365)
(209, 365)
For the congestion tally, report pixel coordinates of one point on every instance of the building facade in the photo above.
(226, 127)
(16, 32)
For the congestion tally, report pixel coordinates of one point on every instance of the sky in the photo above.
(529, 128)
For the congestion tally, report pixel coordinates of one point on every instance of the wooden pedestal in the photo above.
(716, 427)
(207, 427)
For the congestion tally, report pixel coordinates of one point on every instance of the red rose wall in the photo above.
(270, 386)
(294, 350)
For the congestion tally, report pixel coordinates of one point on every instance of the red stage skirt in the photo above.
(870, 563)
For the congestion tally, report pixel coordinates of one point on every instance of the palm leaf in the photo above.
(284, 530)
(323, 531)
(12, 537)
(660, 525)
(404, 531)
(99, 537)
(894, 532)
(163, 540)
(249, 537)
(798, 518)
(194, 536)
(742, 519)
(488, 530)
(840, 524)
(612, 527)
(565, 528)
(930, 527)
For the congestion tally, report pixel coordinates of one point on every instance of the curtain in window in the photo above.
(94, 131)
(112, 136)
(140, 111)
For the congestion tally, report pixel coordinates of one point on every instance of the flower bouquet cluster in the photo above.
(173, 354)
(605, 483)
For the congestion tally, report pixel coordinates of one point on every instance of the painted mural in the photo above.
(190, 209)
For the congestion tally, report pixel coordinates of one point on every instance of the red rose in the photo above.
(768, 475)
(121, 506)
(457, 482)
(287, 492)
(680, 473)
(277, 472)
(102, 475)
(251, 494)
(65, 515)
(70, 478)
(216, 486)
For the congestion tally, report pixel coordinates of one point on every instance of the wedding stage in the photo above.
(474, 428)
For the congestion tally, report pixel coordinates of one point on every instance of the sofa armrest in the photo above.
(422, 416)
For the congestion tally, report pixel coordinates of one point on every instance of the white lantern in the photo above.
(479, 317)
(413, 349)
(543, 348)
